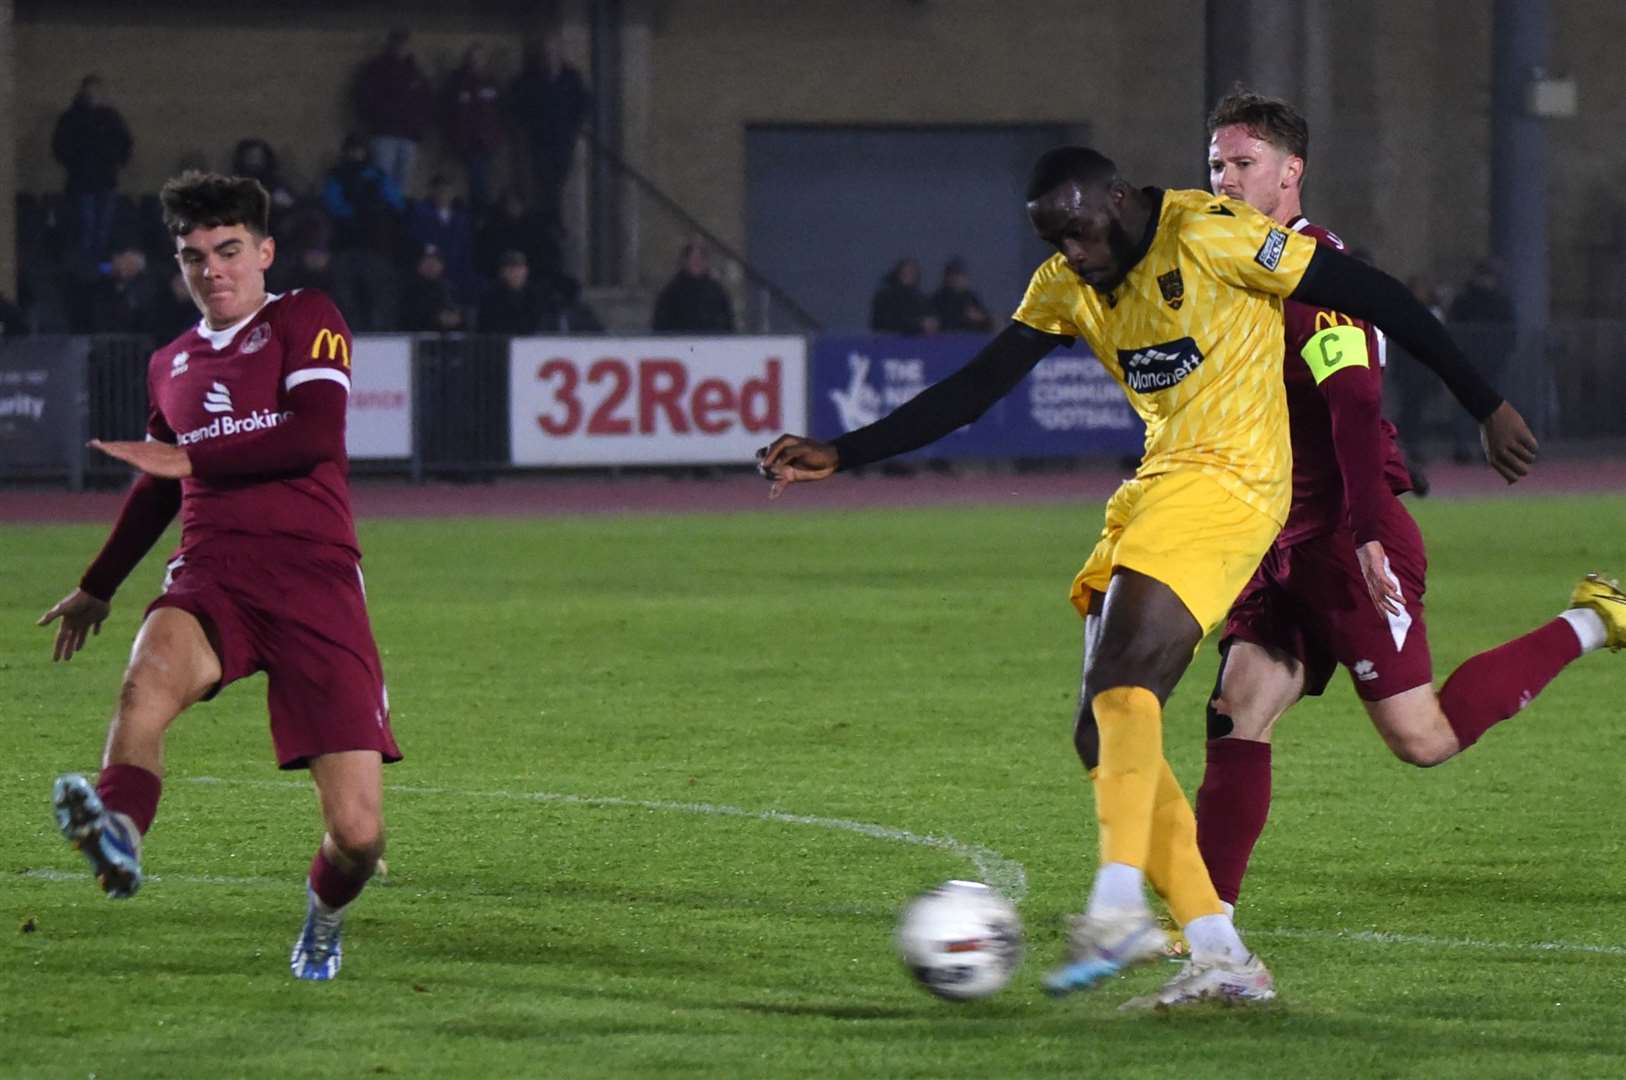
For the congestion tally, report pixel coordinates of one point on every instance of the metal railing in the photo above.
(1568, 380)
(769, 308)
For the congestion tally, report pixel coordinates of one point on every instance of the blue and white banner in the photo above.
(1068, 406)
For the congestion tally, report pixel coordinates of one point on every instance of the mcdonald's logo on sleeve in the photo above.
(1324, 320)
(337, 348)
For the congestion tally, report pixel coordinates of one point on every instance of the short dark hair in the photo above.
(1270, 119)
(1078, 164)
(200, 200)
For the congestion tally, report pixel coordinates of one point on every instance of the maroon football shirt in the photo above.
(224, 396)
(1347, 463)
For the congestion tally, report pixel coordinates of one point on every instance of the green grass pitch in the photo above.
(581, 699)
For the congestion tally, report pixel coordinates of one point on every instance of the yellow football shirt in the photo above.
(1194, 336)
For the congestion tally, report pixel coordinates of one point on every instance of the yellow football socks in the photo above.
(1175, 866)
(1130, 722)
(1146, 820)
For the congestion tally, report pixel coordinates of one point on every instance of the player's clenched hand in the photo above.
(1380, 583)
(81, 614)
(160, 459)
(792, 459)
(1508, 443)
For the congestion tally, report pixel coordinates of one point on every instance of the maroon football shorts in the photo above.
(1308, 599)
(299, 614)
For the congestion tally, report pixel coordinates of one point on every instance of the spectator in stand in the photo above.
(429, 301)
(396, 105)
(693, 302)
(899, 307)
(363, 206)
(358, 195)
(125, 301)
(472, 114)
(513, 226)
(513, 304)
(173, 311)
(92, 143)
(1481, 319)
(440, 220)
(959, 310)
(549, 102)
(255, 159)
(308, 268)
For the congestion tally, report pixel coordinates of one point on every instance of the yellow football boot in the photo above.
(1603, 595)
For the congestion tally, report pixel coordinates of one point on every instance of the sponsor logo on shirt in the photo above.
(1269, 254)
(217, 399)
(257, 338)
(337, 348)
(222, 426)
(177, 366)
(1158, 367)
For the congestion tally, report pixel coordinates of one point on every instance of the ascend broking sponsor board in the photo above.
(1068, 406)
(653, 401)
(379, 419)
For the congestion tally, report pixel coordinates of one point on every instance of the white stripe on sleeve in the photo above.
(305, 375)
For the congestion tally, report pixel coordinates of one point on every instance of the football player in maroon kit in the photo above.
(1344, 582)
(245, 439)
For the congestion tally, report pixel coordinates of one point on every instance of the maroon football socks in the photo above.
(130, 790)
(332, 885)
(1232, 806)
(1494, 685)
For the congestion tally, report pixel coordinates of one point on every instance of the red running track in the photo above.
(534, 496)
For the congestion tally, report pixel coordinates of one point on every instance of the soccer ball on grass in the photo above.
(960, 940)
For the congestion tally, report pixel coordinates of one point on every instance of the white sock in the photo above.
(1230, 911)
(1119, 889)
(1588, 626)
(1214, 937)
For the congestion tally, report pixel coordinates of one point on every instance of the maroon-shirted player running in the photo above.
(245, 438)
(1344, 582)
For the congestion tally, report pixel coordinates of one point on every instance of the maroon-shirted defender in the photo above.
(1344, 582)
(245, 439)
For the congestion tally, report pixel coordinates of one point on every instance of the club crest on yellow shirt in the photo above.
(1173, 288)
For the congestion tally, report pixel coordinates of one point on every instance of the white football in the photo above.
(961, 940)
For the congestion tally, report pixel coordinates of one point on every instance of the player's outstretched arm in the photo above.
(1335, 280)
(81, 615)
(936, 411)
(147, 511)
(928, 416)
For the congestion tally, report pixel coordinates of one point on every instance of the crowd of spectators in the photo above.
(901, 305)
(397, 253)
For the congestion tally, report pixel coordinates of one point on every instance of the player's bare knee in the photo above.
(1147, 661)
(359, 838)
(1423, 749)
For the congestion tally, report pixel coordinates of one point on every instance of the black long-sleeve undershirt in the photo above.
(1332, 280)
(952, 403)
(1338, 281)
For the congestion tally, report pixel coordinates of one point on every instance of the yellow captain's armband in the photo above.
(1334, 349)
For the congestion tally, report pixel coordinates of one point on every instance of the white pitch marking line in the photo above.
(1428, 941)
(1006, 875)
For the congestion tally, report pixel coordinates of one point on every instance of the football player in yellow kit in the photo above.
(1179, 295)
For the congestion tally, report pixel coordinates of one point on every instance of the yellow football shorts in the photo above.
(1184, 529)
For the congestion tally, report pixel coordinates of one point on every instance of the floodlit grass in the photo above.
(913, 670)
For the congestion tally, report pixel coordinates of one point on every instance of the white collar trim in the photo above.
(219, 339)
